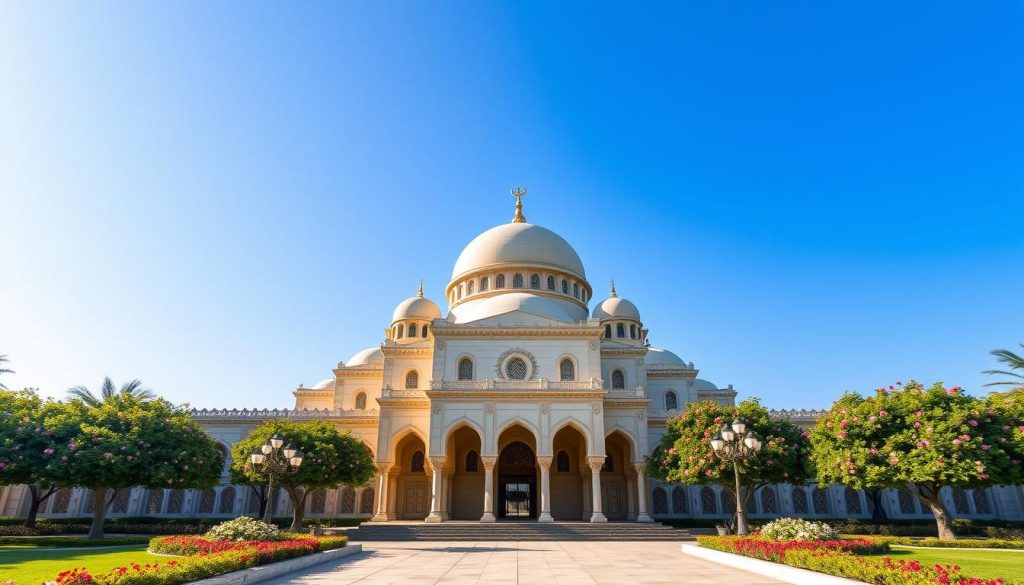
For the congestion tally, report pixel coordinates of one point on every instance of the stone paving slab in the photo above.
(521, 562)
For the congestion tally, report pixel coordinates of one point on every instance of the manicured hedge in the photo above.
(959, 543)
(72, 540)
(1005, 529)
(143, 525)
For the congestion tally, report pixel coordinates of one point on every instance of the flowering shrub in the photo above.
(243, 528)
(798, 529)
(841, 558)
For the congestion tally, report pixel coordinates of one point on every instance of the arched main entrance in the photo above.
(412, 485)
(517, 482)
(464, 496)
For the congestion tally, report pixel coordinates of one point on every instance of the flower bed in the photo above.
(842, 558)
(202, 558)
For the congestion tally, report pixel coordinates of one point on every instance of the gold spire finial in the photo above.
(614, 294)
(519, 193)
(420, 293)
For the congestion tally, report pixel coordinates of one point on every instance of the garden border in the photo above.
(264, 572)
(778, 571)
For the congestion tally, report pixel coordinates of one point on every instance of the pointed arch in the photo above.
(634, 445)
(516, 420)
(583, 430)
(397, 437)
(457, 424)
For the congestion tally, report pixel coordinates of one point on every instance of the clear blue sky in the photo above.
(225, 199)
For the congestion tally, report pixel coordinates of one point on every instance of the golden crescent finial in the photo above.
(420, 293)
(518, 193)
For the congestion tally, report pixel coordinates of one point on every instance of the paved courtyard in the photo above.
(525, 562)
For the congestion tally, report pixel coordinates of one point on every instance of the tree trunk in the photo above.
(99, 511)
(878, 514)
(36, 503)
(261, 496)
(942, 520)
(298, 507)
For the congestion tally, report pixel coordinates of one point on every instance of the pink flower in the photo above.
(882, 413)
(108, 455)
(966, 437)
(918, 412)
(2, 465)
(48, 451)
(63, 457)
(984, 447)
(872, 418)
(853, 472)
(972, 422)
(804, 434)
(917, 424)
(956, 441)
(873, 451)
(843, 434)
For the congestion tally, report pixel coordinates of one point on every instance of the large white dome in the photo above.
(521, 244)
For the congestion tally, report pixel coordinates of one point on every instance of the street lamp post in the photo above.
(275, 460)
(735, 444)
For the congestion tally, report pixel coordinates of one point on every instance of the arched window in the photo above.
(660, 501)
(671, 402)
(515, 369)
(535, 281)
(366, 501)
(567, 370)
(62, 497)
(361, 401)
(459, 295)
(960, 502)
(618, 380)
(412, 380)
(820, 499)
(425, 331)
(707, 501)
(348, 501)
(412, 330)
(517, 280)
(120, 503)
(852, 501)
(565, 287)
(470, 287)
(608, 331)
(401, 331)
(562, 462)
(227, 500)
(769, 505)
(632, 331)
(728, 502)
(417, 462)
(981, 503)
(551, 283)
(155, 501)
(318, 503)
(799, 500)
(465, 369)
(485, 283)
(206, 501)
(609, 463)
(499, 282)
(620, 330)
(576, 290)
(906, 503)
(679, 500)
(472, 462)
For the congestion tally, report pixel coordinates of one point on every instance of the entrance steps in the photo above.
(468, 530)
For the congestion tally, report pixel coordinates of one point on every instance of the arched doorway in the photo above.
(570, 475)
(617, 478)
(517, 482)
(412, 493)
(466, 486)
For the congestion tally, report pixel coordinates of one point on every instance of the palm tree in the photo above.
(3, 358)
(1016, 371)
(107, 391)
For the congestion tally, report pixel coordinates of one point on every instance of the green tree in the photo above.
(330, 459)
(3, 370)
(916, 439)
(685, 454)
(108, 391)
(127, 441)
(1014, 362)
(30, 438)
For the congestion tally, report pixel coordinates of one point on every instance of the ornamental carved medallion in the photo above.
(516, 364)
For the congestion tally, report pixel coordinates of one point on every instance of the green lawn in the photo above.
(1007, 564)
(32, 565)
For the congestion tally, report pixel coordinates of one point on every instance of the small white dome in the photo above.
(704, 385)
(324, 384)
(615, 307)
(416, 307)
(369, 356)
(518, 244)
(657, 356)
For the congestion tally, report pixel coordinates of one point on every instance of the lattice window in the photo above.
(907, 503)
(565, 287)
(515, 369)
(252, 505)
(799, 500)
(618, 380)
(609, 463)
(465, 369)
(348, 501)
(175, 501)
(769, 503)
(517, 455)
(960, 502)
(472, 462)
(981, 503)
(154, 501)
(707, 501)
(517, 280)
(671, 402)
(567, 370)
(551, 283)
(227, 500)
(535, 281)
(820, 499)
(206, 501)
(470, 287)
(60, 500)
(412, 380)
(499, 282)
(361, 401)
(120, 503)
(366, 501)
(412, 330)
(728, 501)
(679, 503)
(418, 462)
(852, 501)
(562, 462)
(485, 284)
(660, 501)
(318, 502)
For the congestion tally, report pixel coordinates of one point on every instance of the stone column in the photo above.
(437, 463)
(382, 493)
(596, 463)
(641, 493)
(489, 463)
(545, 489)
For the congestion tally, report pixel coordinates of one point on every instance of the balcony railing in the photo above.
(496, 384)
